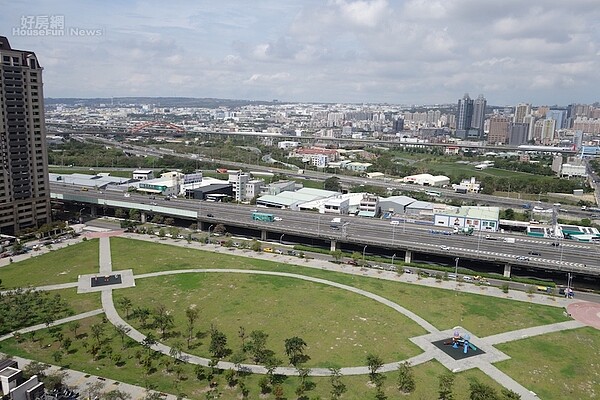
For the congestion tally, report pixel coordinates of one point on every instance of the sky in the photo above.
(543, 52)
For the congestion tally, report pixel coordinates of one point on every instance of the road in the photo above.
(504, 202)
(569, 256)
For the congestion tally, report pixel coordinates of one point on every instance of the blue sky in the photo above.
(408, 52)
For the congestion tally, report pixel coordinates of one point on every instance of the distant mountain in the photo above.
(157, 102)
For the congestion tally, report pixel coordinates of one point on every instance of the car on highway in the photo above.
(522, 258)
(210, 215)
(467, 278)
(407, 271)
(452, 276)
(395, 223)
(278, 251)
(444, 247)
(555, 244)
(127, 195)
(534, 253)
(268, 250)
(277, 218)
(154, 203)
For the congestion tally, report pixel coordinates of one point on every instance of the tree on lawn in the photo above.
(97, 331)
(356, 256)
(336, 254)
(148, 342)
(115, 395)
(510, 395)
(176, 350)
(143, 313)
(242, 335)
(163, 319)
(374, 363)
(191, 313)
(57, 356)
(480, 391)
(338, 388)
(66, 343)
(125, 302)
(294, 349)
(218, 344)
(74, 326)
(445, 386)
(332, 184)
(122, 330)
(258, 346)
(406, 379)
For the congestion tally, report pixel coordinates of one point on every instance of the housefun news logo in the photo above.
(51, 25)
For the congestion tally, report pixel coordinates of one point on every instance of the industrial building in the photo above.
(478, 218)
(427, 180)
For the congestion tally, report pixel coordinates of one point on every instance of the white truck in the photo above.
(508, 240)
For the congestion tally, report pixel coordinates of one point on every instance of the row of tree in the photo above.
(21, 308)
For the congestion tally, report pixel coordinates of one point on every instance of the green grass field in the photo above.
(54, 267)
(565, 359)
(163, 378)
(340, 327)
(482, 315)
(557, 366)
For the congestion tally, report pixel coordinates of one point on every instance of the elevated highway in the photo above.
(404, 239)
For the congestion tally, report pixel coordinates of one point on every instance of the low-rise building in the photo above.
(573, 170)
(143, 174)
(358, 166)
(467, 186)
(478, 218)
(369, 205)
(336, 205)
(427, 180)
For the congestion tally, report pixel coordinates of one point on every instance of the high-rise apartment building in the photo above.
(499, 130)
(478, 118)
(24, 187)
(464, 116)
(521, 110)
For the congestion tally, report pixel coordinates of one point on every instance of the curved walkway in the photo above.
(115, 318)
(582, 310)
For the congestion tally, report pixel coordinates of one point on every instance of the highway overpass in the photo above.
(404, 239)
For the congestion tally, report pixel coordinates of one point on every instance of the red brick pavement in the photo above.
(585, 312)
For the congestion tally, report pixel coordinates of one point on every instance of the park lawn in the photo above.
(454, 168)
(556, 366)
(61, 266)
(340, 327)
(78, 358)
(482, 315)
(81, 302)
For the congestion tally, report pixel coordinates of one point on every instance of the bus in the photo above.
(433, 193)
(259, 216)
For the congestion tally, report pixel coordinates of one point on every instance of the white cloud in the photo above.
(414, 51)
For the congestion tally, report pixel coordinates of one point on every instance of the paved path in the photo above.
(57, 322)
(482, 363)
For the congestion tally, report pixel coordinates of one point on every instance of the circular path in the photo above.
(585, 312)
(115, 318)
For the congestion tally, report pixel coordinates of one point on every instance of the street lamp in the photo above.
(319, 225)
(393, 256)
(364, 249)
(456, 267)
(209, 228)
(344, 233)
(81, 215)
(281, 238)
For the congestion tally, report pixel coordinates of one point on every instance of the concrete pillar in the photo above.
(200, 226)
(143, 217)
(507, 271)
(263, 235)
(93, 211)
(408, 256)
(333, 245)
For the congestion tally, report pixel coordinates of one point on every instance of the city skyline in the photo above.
(400, 52)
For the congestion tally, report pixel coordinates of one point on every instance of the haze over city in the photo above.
(406, 52)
